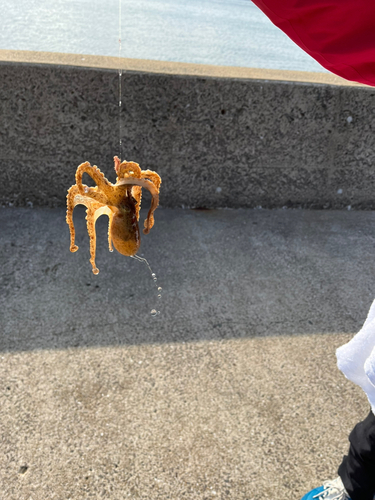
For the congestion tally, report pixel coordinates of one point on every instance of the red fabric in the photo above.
(339, 34)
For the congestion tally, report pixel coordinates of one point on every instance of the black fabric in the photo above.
(357, 470)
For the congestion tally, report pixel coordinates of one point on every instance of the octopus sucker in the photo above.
(120, 201)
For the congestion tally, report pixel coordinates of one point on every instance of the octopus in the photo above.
(120, 201)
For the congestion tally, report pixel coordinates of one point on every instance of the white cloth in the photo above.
(356, 359)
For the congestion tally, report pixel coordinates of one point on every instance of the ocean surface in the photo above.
(219, 32)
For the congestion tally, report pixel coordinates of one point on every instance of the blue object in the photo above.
(311, 494)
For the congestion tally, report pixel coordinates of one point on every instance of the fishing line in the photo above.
(154, 312)
(119, 80)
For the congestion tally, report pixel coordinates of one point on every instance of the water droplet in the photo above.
(154, 312)
(160, 289)
(95, 271)
(153, 275)
(159, 296)
(111, 249)
(155, 279)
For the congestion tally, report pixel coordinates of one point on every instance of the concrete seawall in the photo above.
(219, 137)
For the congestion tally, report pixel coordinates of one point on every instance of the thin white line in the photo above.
(119, 79)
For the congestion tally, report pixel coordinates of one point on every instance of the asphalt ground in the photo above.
(231, 392)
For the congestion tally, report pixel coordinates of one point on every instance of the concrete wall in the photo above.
(216, 142)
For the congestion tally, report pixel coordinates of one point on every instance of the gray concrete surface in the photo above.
(216, 142)
(232, 392)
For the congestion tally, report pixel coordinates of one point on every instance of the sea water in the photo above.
(218, 32)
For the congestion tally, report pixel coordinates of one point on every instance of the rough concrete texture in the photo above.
(232, 392)
(215, 142)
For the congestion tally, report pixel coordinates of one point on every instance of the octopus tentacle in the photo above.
(93, 213)
(137, 195)
(110, 217)
(149, 221)
(153, 176)
(103, 188)
(137, 190)
(70, 201)
(75, 198)
(127, 169)
(117, 161)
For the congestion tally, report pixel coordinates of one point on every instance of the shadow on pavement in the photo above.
(225, 274)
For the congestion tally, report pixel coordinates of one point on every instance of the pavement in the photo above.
(230, 392)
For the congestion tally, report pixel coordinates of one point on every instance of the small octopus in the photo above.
(120, 201)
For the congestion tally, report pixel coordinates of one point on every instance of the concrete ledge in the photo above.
(171, 68)
(217, 136)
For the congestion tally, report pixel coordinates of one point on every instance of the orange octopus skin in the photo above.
(120, 201)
